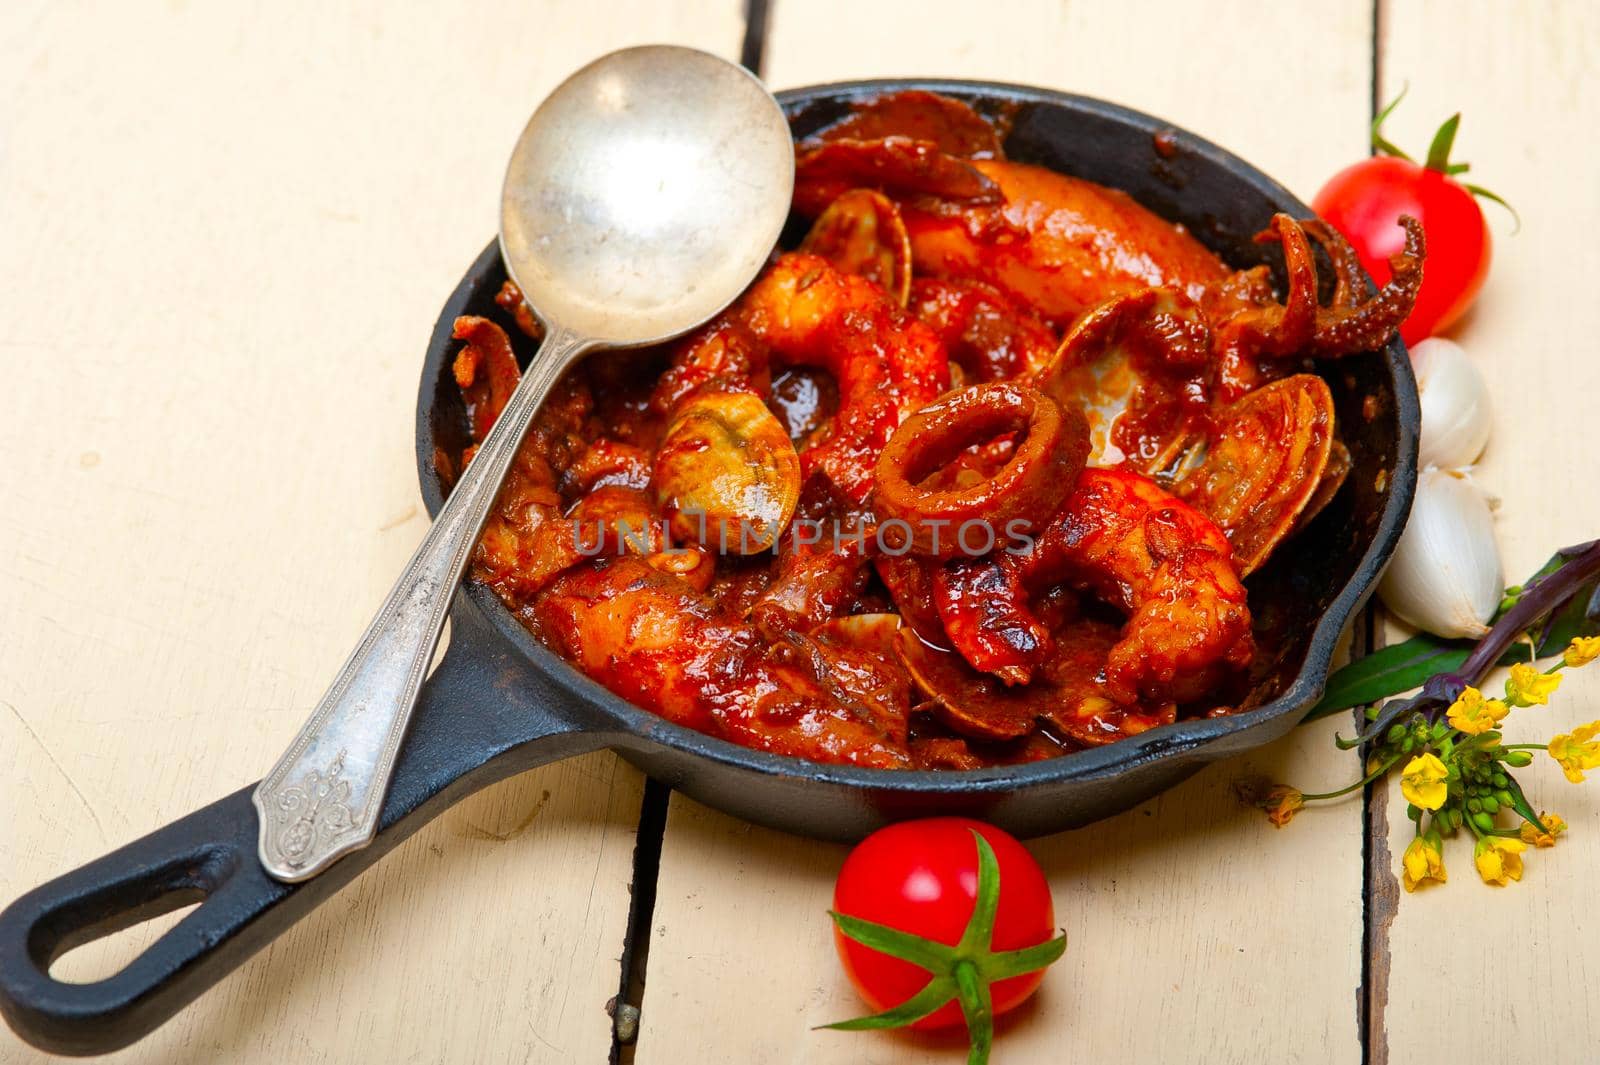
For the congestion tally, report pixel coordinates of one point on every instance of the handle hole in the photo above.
(101, 950)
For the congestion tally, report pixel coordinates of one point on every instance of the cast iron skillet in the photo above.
(501, 703)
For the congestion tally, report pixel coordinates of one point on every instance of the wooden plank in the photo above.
(1523, 82)
(227, 232)
(1179, 952)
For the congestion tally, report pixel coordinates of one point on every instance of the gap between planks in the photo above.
(1379, 890)
(626, 1007)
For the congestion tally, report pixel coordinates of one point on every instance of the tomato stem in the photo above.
(1438, 158)
(1379, 143)
(1444, 138)
(978, 1010)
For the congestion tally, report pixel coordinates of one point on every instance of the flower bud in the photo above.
(1518, 759)
(1484, 822)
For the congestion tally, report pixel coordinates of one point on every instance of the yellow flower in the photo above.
(1582, 650)
(1577, 751)
(1527, 686)
(1533, 836)
(1421, 863)
(1473, 714)
(1282, 803)
(1499, 859)
(1423, 781)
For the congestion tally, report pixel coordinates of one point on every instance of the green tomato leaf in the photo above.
(935, 993)
(1443, 141)
(979, 932)
(1379, 143)
(1008, 963)
(1479, 190)
(919, 951)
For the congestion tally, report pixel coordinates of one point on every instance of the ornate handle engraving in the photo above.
(322, 799)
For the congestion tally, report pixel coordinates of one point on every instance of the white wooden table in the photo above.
(225, 231)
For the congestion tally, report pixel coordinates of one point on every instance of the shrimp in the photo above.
(803, 311)
(1122, 537)
(887, 364)
(662, 645)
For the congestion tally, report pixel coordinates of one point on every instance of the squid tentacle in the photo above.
(1371, 323)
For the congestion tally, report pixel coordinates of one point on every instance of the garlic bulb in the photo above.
(1455, 405)
(1445, 575)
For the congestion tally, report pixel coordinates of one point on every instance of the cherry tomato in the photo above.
(1366, 200)
(922, 877)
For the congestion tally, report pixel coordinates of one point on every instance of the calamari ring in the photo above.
(1051, 447)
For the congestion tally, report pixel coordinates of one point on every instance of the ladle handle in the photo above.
(322, 799)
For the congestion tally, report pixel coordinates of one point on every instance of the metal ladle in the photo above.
(641, 199)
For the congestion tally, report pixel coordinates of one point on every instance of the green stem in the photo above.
(1380, 144)
(1363, 782)
(977, 1009)
(1443, 141)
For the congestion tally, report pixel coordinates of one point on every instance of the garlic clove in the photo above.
(1455, 404)
(1445, 575)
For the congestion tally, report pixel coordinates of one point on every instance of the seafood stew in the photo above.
(972, 475)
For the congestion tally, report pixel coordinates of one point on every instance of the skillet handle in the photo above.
(481, 717)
